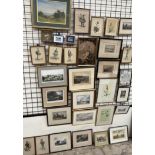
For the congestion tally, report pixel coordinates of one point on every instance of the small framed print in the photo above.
(81, 78)
(125, 27)
(106, 90)
(38, 55)
(28, 146)
(109, 48)
(55, 55)
(54, 97)
(82, 20)
(111, 28)
(60, 142)
(82, 138)
(70, 39)
(52, 76)
(70, 55)
(42, 145)
(123, 94)
(105, 115)
(84, 117)
(118, 134)
(122, 109)
(108, 69)
(127, 55)
(58, 39)
(46, 36)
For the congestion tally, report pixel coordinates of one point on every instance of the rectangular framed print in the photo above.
(122, 109)
(46, 36)
(125, 77)
(70, 39)
(28, 146)
(123, 94)
(125, 27)
(127, 55)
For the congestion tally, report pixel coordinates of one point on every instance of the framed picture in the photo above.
(46, 36)
(108, 69)
(55, 55)
(59, 116)
(123, 94)
(97, 26)
(118, 134)
(83, 99)
(101, 138)
(58, 18)
(109, 48)
(42, 145)
(58, 39)
(106, 90)
(125, 27)
(52, 76)
(122, 109)
(60, 142)
(111, 28)
(38, 55)
(127, 55)
(28, 146)
(70, 55)
(125, 77)
(84, 117)
(87, 50)
(82, 138)
(70, 39)
(82, 20)
(54, 97)
(105, 115)
(81, 78)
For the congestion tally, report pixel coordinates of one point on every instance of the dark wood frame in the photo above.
(123, 106)
(70, 43)
(122, 56)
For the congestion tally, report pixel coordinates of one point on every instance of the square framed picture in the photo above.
(55, 55)
(46, 36)
(122, 109)
(111, 28)
(123, 94)
(105, 115)
(70, 55)
(81, 78)
(127, 55)
(97, 26)
(58, 18)
(84, 117)
(81, 20)
(118, 134)
(28, 146)
(42, 144)
(54, 97)
(106, 90)
(87, 51)
(108, 69)
(82, 138)
(58, 39)
(125, 27)
(70, 39)
(38, 55)
(52, 76)
(109, 48)
(60, 142)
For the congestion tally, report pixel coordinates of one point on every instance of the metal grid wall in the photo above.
(32, 99)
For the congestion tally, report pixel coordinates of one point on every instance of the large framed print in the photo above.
(52, 76)
(81, 78)
(127, 55)
(109, 48)
(28, 146)
(122, 109)
(123, 94)
(118, 134)
(53, 14)
(125, 27)
(59, 116)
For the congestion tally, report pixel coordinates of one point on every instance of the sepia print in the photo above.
(55, 96)
(127, 55)
(84, 117)
(82, 138)
(28, 146)
(59, 115)
(125, 27)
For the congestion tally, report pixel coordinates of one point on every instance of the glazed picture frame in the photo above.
(70, 39)
(123, 94)
(46, 36)
(125, 26)
(122, 109)
(29, 146)
(126, 55)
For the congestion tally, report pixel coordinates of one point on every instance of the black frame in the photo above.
(69, 42)
(123, 106)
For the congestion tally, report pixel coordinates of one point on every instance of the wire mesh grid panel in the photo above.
(32, 97)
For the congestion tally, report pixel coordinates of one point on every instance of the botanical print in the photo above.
(127, 55)
(125, 77)
(28, 146)
(101, 138)
(123, 94)
(70, 55)
(125, 27)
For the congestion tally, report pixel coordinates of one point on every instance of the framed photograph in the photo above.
(82, 138)
(84, 117)
(122, 109)
(59, 116)
(55, 55)
(54, 97)
(118, 134)
(125, 27)
(58, 39)
(60, 142)
(38, 55)
(111, 28)
(105, 115)
(109, 48)
(70, 55)
(108, 69)
(97, 26)
(106, 90)
(46, 36)
(53, 14)
(101, 138)
(127, 55)
(42, 145)
(52, 76)
(125, 77)
(81, 78)
(70, 39)
(82, 20)
(28, 146)
(123, 94)
(87, 51)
